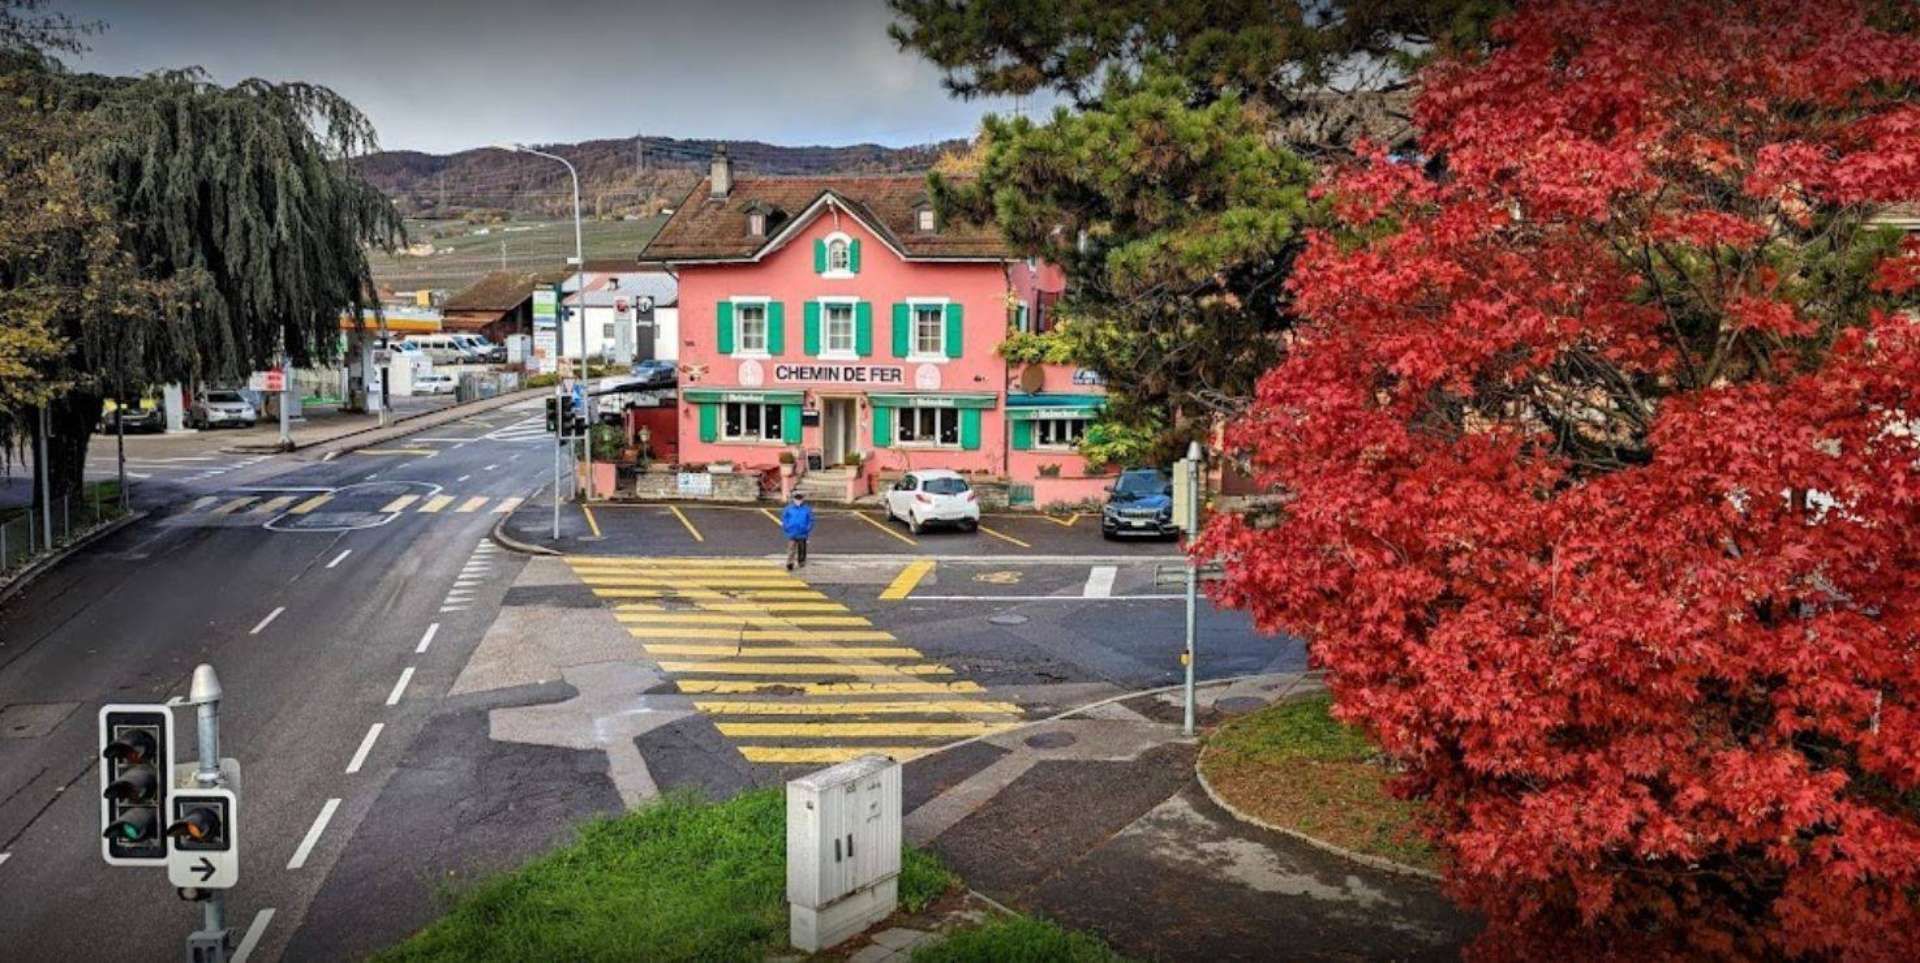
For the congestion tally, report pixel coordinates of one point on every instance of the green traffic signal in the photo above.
(135, 826)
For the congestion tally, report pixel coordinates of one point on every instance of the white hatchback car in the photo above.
(934, 496)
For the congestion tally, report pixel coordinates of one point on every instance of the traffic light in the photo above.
(205, 837)
(136, 768)
(554, 414)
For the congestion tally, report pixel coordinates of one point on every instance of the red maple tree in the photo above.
(1601, 448)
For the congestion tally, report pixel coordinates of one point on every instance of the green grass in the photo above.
(1016, 940)
(1293, 765)
(679, 880)
(544, 246)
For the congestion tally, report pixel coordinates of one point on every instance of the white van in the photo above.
(442, 348)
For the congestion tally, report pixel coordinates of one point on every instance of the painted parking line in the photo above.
(1100, 581)
(255, 930)
(592, 523)
(677, 513)
(366, 746)
(1004, 537)
(908, 579)
(869, 519)
(772, 517)
(313, 834)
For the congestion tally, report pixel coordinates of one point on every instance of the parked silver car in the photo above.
(222, 407)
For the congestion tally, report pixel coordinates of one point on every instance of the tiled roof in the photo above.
(658, 285)
(705, 229)
(499, 291)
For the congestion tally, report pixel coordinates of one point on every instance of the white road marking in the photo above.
(366, 746)
(427, 639)
(268, 620)
(490, 468)
(461, 479)
(400, 687)
(1100, 581)
(373, 476)
(313, 835)
(453, 608)
(329, 456)
(4, 857)
(254, 931)
(337, 559)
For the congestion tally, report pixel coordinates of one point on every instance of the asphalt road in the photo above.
(415, 707)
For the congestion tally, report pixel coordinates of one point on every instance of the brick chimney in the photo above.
(721, 173)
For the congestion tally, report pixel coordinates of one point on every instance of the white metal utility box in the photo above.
(843, 850)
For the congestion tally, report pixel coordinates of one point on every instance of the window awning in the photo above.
(1053, 405)
(933, 399)
(748, 395)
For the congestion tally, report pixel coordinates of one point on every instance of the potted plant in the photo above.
(852, 460)
(787, 461)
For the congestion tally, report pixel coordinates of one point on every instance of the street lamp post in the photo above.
(580, 289)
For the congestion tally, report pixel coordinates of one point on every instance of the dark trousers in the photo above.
(796, 552)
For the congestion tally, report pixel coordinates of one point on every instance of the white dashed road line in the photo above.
(268, 620)
(4, 857)
(366, 746)
(400, 687)
(337, 559)
(254, 932)
(313, 835)
(427, 639)
(1100, 581)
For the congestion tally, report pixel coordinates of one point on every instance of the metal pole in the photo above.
(205, 694)
(46, 491)
(1192, 469)
(286, 394)
(558, 434)
(120, 444)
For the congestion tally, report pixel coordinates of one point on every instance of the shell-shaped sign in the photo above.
(927, 377)
(751, 374)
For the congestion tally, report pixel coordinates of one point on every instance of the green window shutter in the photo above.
(1022, 435)
(776, 328)
(853, 255)
(955, 330)
(819, 256)
(970, 429)
(810, 328)
(790, 424)
(709, 423)
(902, 329)
(723, 322)
(863, 329)
(882, 427)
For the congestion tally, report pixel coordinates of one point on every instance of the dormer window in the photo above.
(925, 220)
(759, 216)
(836, 256)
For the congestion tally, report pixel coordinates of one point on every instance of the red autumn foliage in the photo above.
(1599, 438)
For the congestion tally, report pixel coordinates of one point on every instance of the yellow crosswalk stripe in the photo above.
(723, 618)
(436, 503)
(811, 707)
(742, 686)
(797, 651)
(473, 504)
(272, 505)
(772, 606)
(696, 595)
(803, 668)
(400, 504)
(233, 506)
(618, 561)
(507, 504)
(862, 730)
(312, 503)
(793, 755)
(671, 634)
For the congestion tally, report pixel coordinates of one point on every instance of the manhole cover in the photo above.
(1007, 618)
(1050, 740)
(31, 720)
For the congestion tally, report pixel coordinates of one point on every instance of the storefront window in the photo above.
(752, 319)
(930, 427)
(1058, 432)
(839, 328)
(750, 422)
(930, 330)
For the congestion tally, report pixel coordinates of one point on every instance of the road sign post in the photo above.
(207, 797)
(1186, 508)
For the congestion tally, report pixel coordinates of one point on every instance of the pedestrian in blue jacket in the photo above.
(796, 520)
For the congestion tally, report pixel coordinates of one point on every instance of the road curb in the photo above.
(45, 565)
(1373, 862)
(508, 542)
(452, 411)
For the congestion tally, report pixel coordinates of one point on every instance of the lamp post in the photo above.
(580, 289)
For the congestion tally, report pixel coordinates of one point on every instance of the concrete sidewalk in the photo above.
(358, 430)
(1095, 820)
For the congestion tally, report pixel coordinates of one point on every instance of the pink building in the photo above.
(836, 318)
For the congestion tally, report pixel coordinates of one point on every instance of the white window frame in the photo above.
(914, 305)
(1071, 445)
(901, 414)
(740, 349)
(770, 415)
(838, 237)
(852, 350)
(926, 220)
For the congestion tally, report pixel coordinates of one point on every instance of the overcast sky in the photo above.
(444, 75)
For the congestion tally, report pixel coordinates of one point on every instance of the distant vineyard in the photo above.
(460, 254)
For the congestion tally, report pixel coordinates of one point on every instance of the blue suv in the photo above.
(1140, 503)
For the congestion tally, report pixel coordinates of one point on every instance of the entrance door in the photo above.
(836, 430)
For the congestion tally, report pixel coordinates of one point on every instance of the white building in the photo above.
(632, 315)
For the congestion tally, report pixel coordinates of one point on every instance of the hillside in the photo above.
(626, 176)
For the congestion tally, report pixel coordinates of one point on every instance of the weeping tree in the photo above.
(184, 232)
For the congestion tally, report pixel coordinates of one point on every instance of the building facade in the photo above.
(632, 313)
(837, 320)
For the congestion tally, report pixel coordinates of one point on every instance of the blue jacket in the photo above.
(797, 520)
